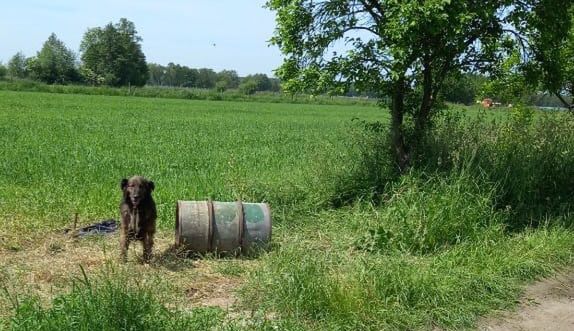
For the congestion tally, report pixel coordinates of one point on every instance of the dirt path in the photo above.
(546, 305)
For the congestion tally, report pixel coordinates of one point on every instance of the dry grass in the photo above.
(47, 265)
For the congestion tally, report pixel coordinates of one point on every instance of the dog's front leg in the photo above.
(147, 246)
(124, 238)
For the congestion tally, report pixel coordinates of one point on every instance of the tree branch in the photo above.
(351, 28)
(564, 102)
(523, 41)
(370, 6)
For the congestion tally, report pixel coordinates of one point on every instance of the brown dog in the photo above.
(138, 215)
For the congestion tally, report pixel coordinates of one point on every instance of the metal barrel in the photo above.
(212, 226)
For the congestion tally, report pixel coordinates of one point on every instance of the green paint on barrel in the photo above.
(211, 226)
(253, 213)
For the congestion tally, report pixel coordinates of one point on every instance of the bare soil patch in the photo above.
(545, 305)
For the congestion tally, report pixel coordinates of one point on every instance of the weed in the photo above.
(112, 301)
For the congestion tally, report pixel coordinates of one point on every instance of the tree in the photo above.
(206, 78)
(257, 82)
(548, 52)
(221, 86)
(402, 49)
(3, 71)
(189, 76)
(54, 63)
(174, 75)
(90, 77)
(17, 66)
(248, 87)
(508, 83)
(262, 81)
(156, 74)
(275, 84)
(228, 78)
(462, 88)
(114, 53)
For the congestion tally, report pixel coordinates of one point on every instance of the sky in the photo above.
(215, 34)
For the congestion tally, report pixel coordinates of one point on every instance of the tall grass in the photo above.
(424, 216)
(530, 156)
(435, 255)
(111, 301)
(183, 93)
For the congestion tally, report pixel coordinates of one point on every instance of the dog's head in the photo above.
(137, 189)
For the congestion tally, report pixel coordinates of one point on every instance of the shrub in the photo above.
(248, 87)
(366, 168)
(529, 155)
(423, 216)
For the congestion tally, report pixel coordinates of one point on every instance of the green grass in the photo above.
(486, 209)
(415, 263)
(65, 154)
(109, 303)
(183, 93)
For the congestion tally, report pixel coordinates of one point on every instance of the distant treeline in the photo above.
(182, 76)
(112, 56)
(189, 93)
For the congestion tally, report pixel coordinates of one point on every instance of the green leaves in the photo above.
(17, 66)
(114, 53)
(389, 38)
(55, 63)
(547, 45)
(413, 46)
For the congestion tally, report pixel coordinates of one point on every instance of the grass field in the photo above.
(486, 209)
(65, 154)
(183, 93)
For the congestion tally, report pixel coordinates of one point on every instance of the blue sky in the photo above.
(216, 34)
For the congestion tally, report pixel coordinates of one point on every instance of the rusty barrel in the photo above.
(212, 226)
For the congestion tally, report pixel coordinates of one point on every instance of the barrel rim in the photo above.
(270, 220)
(177, 223)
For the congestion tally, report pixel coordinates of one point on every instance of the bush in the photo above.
(248, 87)
(342, 289)
(423, 216)
(529, 155)
(366, 168)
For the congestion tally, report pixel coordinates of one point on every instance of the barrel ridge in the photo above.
(239, 226)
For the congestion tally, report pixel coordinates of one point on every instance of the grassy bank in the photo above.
(182, 93)
(485, 210)
(435, 256)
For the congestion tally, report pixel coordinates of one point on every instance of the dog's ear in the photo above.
(123, 183)
(151, 186)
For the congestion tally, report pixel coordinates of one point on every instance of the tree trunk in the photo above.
(423, 116)
(397, 133)
(564, 102)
